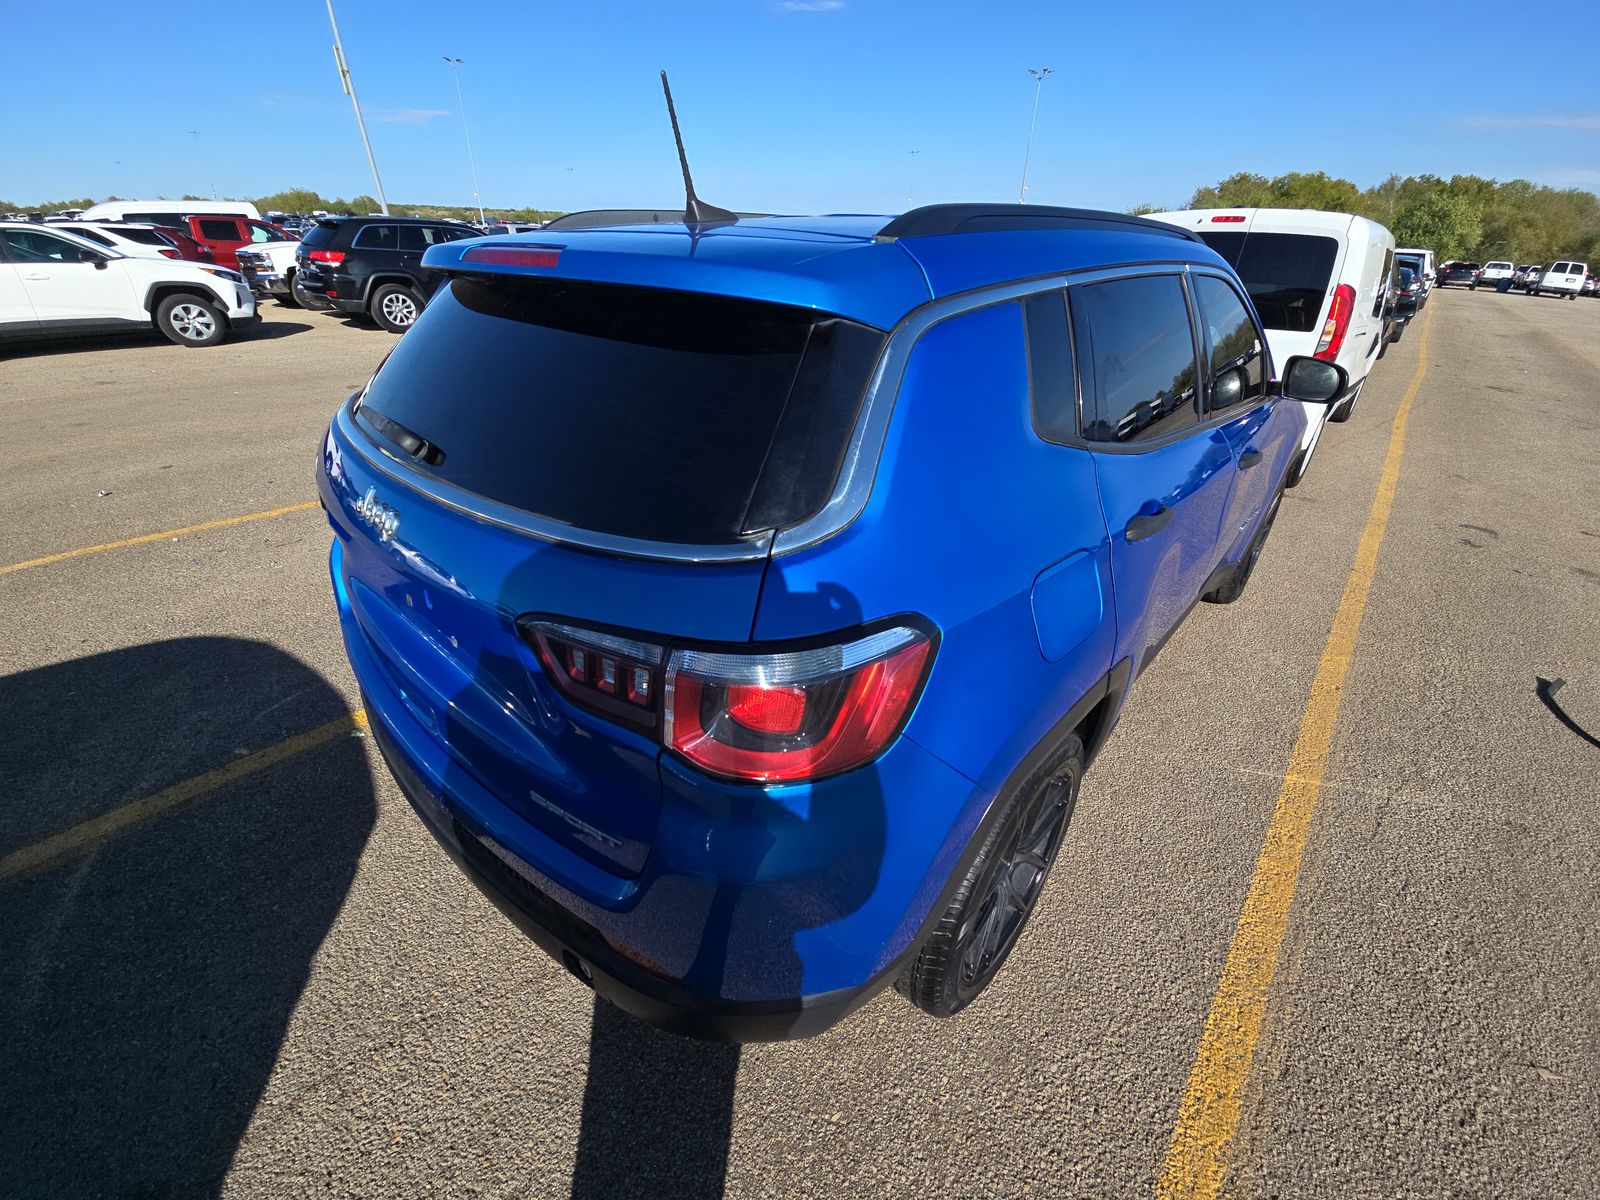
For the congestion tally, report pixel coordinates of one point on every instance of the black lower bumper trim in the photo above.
(586, 954)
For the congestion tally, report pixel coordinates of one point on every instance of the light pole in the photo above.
(195, 134)
(912, 190)
(1038, 74)
(455, 65)
(349, 86)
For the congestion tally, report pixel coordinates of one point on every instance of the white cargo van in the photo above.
(1563, 278)
(1321, 282)
(166, 212)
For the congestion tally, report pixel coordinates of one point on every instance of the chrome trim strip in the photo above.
(481, 508)
(860, 466)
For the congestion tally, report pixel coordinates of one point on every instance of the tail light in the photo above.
(1337, 324)
(760, 716)
(169, 253)
(332, 257)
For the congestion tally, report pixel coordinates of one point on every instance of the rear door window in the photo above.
(661, 415)
(145, 237)
(1136, 358)
(378, 237)
(1286, 274)
(1560, 268)
(219, 229)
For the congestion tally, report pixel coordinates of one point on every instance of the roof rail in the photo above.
(936, 220)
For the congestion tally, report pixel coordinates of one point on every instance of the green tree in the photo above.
(1447, 224)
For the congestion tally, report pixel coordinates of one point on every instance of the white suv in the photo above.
(54, 282)
(1562, 278)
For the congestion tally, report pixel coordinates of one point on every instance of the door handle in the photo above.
(1144, 524)
(36, 275)
(1249, 459)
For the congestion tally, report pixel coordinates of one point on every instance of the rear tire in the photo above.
(395, 308)
(1233, 587)
(291, 298)
(984, 920)
(191, 320)
(1343, 412)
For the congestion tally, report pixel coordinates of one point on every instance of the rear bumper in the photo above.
(586, 953)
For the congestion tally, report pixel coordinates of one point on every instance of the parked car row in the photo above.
(1562, 278)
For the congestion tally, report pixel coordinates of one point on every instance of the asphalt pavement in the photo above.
(276, 985)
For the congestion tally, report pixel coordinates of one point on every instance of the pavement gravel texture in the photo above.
(282, 988)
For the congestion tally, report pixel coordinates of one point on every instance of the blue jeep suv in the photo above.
(740, 603)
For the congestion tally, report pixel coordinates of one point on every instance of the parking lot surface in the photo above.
(268, 981)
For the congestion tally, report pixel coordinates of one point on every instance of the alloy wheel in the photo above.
(194, 321)
(399, 309)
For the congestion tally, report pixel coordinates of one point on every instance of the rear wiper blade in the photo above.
(408, 440)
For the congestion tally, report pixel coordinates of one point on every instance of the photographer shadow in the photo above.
(151, 970)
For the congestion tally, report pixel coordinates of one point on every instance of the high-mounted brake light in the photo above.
(1232, 220)
(753, 715)
(332, 257)
(513, 256)
(1337, 324)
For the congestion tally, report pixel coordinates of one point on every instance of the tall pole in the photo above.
(195, 133)
(1022, 196)
(911, 191)
(455, 66)
(350, 90)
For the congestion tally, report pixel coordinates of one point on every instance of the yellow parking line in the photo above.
(1208, 1118)
(157, 537)
(89, 833)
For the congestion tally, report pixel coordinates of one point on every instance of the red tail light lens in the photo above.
(749, 715)
(782, 718)
(514, 256)
(332, 257)
(1337, 324)
(1227, 220)
(168, 253)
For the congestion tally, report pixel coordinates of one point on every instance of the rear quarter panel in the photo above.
(968, 508)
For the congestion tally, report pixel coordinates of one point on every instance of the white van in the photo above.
(1563, 278)
(1427, 263)
(1320, 282)
(166, 212)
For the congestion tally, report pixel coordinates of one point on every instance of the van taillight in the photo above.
(331, 257)
(783, 716)
(1337, 324)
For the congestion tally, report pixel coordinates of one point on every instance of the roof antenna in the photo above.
(695, 210)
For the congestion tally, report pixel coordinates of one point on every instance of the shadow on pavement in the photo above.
(148, 980)
(657, 1112)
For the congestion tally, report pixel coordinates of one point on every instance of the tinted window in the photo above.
(633, 411)
(1136, 354)
(145, 237)
(319, 235)
(1560, 268)
(31, 246)
(94, 235)
(217, 229)
(1386, 282)
(1055, 400)
(375, 237)
(1232, 345)
(417, 238)
(1286, 274)
(157, 218)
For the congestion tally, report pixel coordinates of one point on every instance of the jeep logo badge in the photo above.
(378, 514)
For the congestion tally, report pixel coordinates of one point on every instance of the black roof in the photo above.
(936, 220)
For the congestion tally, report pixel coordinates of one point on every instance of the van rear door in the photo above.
(1290, 277)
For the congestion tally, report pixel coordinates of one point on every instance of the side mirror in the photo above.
(1405, 306)
(89, 256)
(1313, 381)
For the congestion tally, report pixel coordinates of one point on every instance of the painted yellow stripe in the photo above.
(1197, 1157)
(157, 537)
(90, 833)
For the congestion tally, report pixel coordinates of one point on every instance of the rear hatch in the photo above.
(596, 455)
(1290, 277)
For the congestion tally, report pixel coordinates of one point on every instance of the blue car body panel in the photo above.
(675, 891)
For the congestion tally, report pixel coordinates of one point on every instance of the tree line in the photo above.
(1463, 217)
(304, 200)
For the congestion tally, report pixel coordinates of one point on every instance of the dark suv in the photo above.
(373, 265)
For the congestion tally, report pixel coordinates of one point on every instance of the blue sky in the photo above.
(792, 105)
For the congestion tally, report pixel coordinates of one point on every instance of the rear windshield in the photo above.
(319, 235)
(645, 413)
(1287, 274)
(145, 237)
